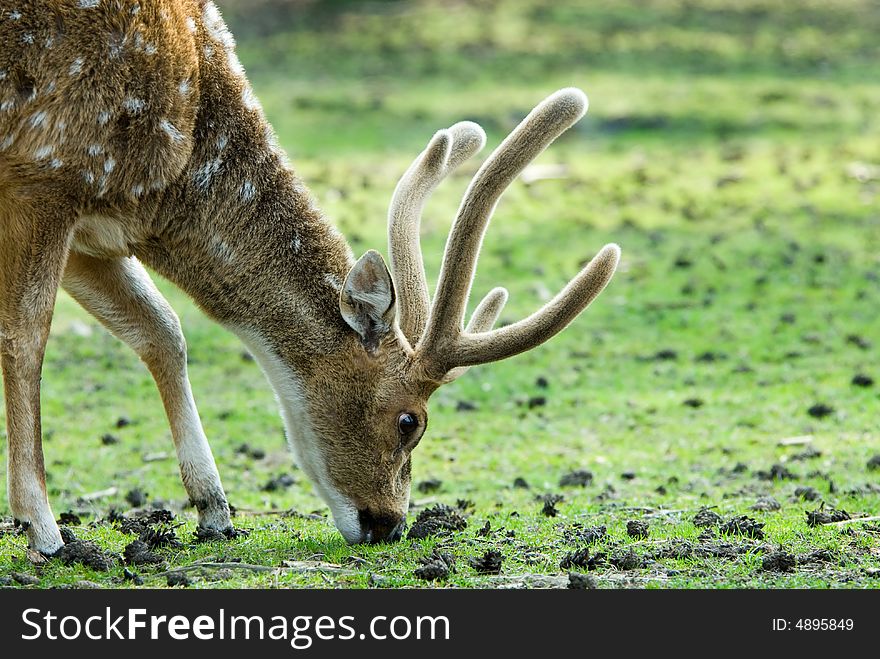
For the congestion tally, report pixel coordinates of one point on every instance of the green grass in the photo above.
(718, 152)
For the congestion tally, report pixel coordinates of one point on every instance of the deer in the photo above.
(131, 138)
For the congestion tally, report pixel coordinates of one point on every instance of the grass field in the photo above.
(732, 149)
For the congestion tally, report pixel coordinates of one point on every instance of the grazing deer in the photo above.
(129, 135)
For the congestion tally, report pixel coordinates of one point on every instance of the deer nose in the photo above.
(380, 527)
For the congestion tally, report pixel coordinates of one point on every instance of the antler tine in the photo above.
(543, 125)
(552, 318)
(446, 151)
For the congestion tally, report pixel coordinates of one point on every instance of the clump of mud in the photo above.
(69, 519)
(581, 581)
(743, 525)
(636, 528)
(706, 518)
(178, 579)
(139, 522)
(549, 501)
(626, 560)
(778, 561)
(578, 558)
(434, 567)
(488, 563)
(576, 478)
(87, 553)
(766, 504)
(280, 482)
(873, 463)
(586, 535)
(430, 485)
(776, 472)
(136, 497)
(822, 516)
(437, 520)
(138, 553)
(807, 493)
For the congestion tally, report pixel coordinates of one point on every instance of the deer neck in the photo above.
(240, 233)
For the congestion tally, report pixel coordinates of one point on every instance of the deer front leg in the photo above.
(121, 295)
(33, 248)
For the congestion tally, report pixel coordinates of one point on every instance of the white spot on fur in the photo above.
(49, 42)
(44, 152)
(249, 99)
(103, 118)
(95, 150)
(171, 130)
(109, 164)
(7, 142)
(88, 176)
(5, 106)
(209, 51)
(56, 163)
(135, 10)
(203, 175)
(222, 141)
(222, 250)
(150, 49)
(2, 74)
(15, 15)
(139, 40)
(296, 243)
(76, 68)
(191, 24)
(27, 37)
(89, 4)
(137, 190)
(50, 87)
(247, 191)
(38, 120)
(183, 87)
(134, 105)
(333, 281)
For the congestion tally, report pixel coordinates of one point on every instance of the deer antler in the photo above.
(443, 347)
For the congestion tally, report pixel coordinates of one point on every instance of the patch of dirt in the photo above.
(67, 536)
(693, 402)
(820, 411)
(822, 516)
(86, 553)
(178, 579)
(581, 581)
(636, 528)
(435, 567)
(138, 553)
(777, 472)
(465, 406)
(778, 561)
(873, 463)
(254, 453)
(280, 482)
(808, 453)
(437, 520)
(579, 558)
(743, 525)
(136, 497)
(69, 519)
(586, 535)
(550, 501)
(627, 560)
(706, 518)
(160, 536)
(520, 483)
(766, 504)
(109, 440)
(576, 478)
(140, 522)
(807, 493)
(488, 563)
(862, 380)
(430, 485)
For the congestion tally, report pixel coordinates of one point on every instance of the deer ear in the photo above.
(367, 300)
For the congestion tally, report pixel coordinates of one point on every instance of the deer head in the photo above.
(368, 403)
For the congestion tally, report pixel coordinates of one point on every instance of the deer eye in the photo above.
(407, 423)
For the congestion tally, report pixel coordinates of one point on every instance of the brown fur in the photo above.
(129, 134)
